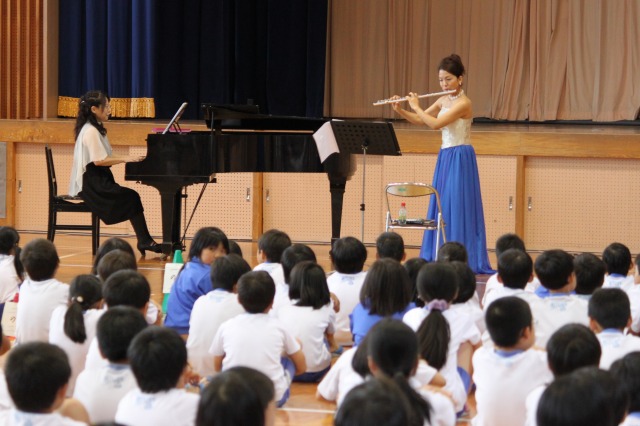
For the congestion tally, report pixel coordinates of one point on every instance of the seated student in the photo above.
(386, 292)
(573, 346)
(5, 399)
(234, 248)
(194, 279)
(505, 374)
(515, 271)
(587, 396)
(110, 244)
(504, 243)
(11, 269)
(257, 340)
(452, 251)
(122, 288)
(158, 359)
(554, 268)
(413, 266)
(590, 271)
(310, 319)
(37, 374)
(617, 259)
(214, 308)
(467, 299)
(40, 293)
(437, 287)
(237, 396)
(271, 244)
(627, 372)
(290, 257)
(634, 297)
(100, 390)
(390, 244)
(609, 315)
(74, 327)
(348, 256)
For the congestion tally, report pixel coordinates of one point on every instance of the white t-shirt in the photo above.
(503, 384)
(615, 345)
(208, 313)
(463, 329)
(634, 299)
(633, 419)
(257, 341)
(618, 281)
(101, 390)
(175, 407)
(15, 417)
(309, 325)
(281, 297)
(347, 288)
(493, 284)
(37, 301)
(442, 409)
(551, 313)
(77, 352)
(8, 278)
(503, 291)
(531, 405)
(472, 309)
(6, 402)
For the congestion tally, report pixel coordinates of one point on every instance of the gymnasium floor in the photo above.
(302, 408)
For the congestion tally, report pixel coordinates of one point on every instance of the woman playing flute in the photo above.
(456, 173)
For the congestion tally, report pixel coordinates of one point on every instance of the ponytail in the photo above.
(420, 407)
(433, 338)
(84, 292)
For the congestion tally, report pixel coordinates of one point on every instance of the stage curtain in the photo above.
(109, 46)
(531, 60)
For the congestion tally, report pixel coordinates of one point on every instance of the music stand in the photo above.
(366, 137)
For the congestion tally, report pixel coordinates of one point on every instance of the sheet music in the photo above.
(326, 141)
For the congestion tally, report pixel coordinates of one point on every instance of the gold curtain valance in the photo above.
(120, 107)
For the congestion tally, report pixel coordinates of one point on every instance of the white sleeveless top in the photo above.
(456, 133)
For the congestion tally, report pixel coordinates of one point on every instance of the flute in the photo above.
(428, 95)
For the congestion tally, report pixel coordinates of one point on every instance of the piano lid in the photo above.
(220, 117)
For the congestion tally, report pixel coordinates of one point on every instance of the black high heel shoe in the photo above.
(152, 247)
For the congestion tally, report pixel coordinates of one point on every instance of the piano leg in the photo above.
(336, 187)
(171, 215)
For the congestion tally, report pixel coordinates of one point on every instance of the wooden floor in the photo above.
(302, 408)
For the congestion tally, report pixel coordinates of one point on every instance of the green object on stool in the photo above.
(177, 258)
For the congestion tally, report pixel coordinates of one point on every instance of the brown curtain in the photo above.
(527, 59)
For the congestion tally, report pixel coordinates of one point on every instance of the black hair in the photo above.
(9, 240)
(272, 243)
(588, 396)
(515, 268)
(393, 348)
(292, 255)
(590, 271)
(627, 371)
(207, 237)
(113, 243)
(116, 260)
(158, 356)
(237, 396)
(93, 98)
(116, 329)
(466, 281)
(348, 255)
(310, 281)
(572, 346)
(452, 250)
(390, 244)
(84, 292)
(40, 259)
(227, 270)
(386, 288)
(360, 360)
(234, 248)
(377, 401)
(617, 257)
(506, 319)
(452, 64)
(434, 336)
(437, 280)
(509, 241)
(610, 308)
(35, 373)
(413, 266)
(256, 290)
(128, 288)
(554, 268)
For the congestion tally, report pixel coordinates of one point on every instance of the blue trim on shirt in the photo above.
(507, 353)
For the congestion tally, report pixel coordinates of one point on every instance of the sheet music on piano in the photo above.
(175, 120)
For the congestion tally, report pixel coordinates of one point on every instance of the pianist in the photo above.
(91, 176)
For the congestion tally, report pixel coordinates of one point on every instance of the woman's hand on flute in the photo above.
(396, 105)
(414, 102)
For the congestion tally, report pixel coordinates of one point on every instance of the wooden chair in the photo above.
(67, 204)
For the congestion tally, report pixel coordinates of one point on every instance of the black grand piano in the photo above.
(240, 140)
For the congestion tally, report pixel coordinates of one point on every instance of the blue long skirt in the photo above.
(456, 180)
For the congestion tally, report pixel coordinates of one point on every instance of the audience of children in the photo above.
(627, 373)
(271, 245)
(391, 245)
(515, 272)
(590, 271)
(214, 308)
(110, 244)
(291, 256)
(617, 259)
(11, 269)
(194, 278)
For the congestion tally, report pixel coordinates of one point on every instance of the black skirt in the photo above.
(110, 201)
